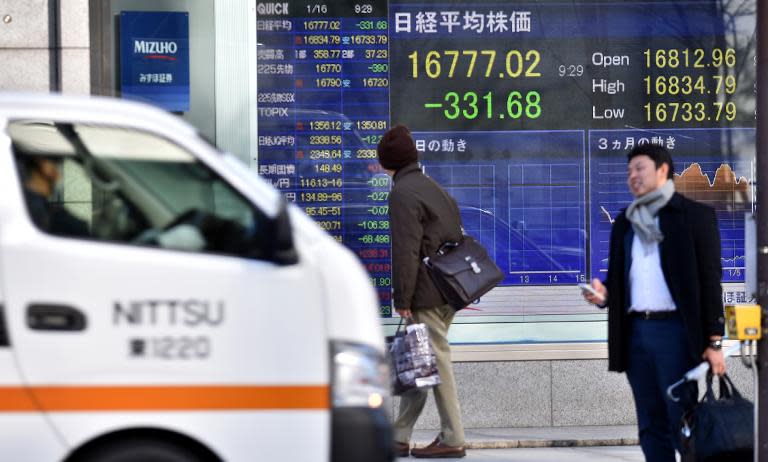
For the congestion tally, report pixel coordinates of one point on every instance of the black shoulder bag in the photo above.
(719, 429)
(463, 271)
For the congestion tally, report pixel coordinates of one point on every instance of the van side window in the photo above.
(126, 186)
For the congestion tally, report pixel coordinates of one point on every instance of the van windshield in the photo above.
(131, 186)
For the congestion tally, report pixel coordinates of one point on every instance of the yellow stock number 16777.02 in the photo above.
(465, 63)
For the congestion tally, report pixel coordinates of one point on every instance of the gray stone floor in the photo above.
(577, 454)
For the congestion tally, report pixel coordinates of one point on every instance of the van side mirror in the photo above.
(282, 250)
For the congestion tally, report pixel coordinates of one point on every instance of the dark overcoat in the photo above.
(691, 263)
(422, 216)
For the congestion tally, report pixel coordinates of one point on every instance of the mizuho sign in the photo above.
(154, 47)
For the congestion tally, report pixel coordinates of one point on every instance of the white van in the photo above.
(164, 304)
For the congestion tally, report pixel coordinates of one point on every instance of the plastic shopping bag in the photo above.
(413, 363)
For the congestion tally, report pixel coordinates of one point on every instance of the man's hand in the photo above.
(716, 360)
(599, 288)
(404, 312)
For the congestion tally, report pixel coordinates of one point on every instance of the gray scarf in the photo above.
(643, 210)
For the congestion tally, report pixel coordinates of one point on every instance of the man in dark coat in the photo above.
(665, 311)
(422, 217)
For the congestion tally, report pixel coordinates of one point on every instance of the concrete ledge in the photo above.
(536, 351)
(540, 437)
(529, 352)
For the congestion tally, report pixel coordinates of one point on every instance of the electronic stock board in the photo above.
(523, 111)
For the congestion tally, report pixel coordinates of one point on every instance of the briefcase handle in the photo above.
(447, 245)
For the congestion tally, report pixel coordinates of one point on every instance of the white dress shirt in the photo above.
(648, 289)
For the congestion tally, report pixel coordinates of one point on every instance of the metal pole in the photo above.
(762, 223)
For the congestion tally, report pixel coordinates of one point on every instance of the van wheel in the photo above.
(141, 450)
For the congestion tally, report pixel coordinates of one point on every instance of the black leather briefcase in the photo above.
(463, 271)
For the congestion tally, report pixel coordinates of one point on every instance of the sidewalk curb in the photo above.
(540, 437)
(510, 444)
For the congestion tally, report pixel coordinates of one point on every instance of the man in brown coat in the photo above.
(422, 216)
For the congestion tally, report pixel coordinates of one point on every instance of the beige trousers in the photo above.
(438, 320)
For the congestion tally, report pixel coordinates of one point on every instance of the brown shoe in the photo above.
(438, 450)
(402, 449)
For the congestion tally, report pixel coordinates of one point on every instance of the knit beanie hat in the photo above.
(396, 148)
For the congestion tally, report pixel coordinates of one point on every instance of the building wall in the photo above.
(75, 47)
(44, 45)
(498, 394)
(24, 45)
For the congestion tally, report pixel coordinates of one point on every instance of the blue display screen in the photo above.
(523, 110)
(154, 58)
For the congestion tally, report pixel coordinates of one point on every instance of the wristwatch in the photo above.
(716, 344)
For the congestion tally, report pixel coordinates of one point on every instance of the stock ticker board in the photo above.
(523, 111)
